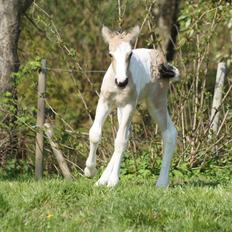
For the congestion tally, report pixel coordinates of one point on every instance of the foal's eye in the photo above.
(110, 55)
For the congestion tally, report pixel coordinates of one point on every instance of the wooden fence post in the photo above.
(57, 152)
(217, 98)
(40, 121)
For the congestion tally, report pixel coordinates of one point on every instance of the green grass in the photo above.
(56, 205)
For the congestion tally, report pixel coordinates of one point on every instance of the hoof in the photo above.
(162, 183)
(113, 181)
(90, 171)
(102, 181)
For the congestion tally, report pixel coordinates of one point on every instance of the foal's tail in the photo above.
(168, 71)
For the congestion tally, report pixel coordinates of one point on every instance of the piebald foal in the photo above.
(133, 74)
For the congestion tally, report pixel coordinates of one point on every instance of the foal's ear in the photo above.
(133, 34)
(107, 34)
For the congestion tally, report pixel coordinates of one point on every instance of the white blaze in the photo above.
(121, 64)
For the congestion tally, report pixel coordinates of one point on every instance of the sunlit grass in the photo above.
(56, 205)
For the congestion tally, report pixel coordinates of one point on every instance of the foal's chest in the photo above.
(119, 97)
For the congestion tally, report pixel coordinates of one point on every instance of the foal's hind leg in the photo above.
(103, 109)
(160, 113)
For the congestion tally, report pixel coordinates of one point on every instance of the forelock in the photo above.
(117, 39)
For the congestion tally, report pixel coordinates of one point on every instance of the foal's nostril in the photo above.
(121, 84)
(116, 82)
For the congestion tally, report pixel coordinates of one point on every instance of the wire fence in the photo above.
(75, 70)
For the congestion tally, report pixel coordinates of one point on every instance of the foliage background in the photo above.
(67, 35)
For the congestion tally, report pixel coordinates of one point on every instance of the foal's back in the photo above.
(144, 69)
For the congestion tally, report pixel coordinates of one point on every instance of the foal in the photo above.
(134, 74)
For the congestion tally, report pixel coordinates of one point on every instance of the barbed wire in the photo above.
(57, 69)
(75, 70)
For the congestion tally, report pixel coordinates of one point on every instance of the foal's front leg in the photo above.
(110, 175)
(103, 109)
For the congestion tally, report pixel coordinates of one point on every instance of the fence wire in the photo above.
(75, 70)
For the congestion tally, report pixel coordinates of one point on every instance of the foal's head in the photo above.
(120, 51)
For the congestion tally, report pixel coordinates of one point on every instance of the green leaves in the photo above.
(27, 70)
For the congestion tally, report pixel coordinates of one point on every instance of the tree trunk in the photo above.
(10, 14)
(165, 14)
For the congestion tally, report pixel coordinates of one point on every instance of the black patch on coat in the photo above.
(166, 71)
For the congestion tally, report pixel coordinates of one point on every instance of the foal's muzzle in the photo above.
(121, 84)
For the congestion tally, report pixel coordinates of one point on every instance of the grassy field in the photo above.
(56, 205)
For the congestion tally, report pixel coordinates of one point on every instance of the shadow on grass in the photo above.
(198, 183)
(27, 178)
(20, 178)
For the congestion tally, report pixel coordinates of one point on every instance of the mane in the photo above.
(120, 34)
